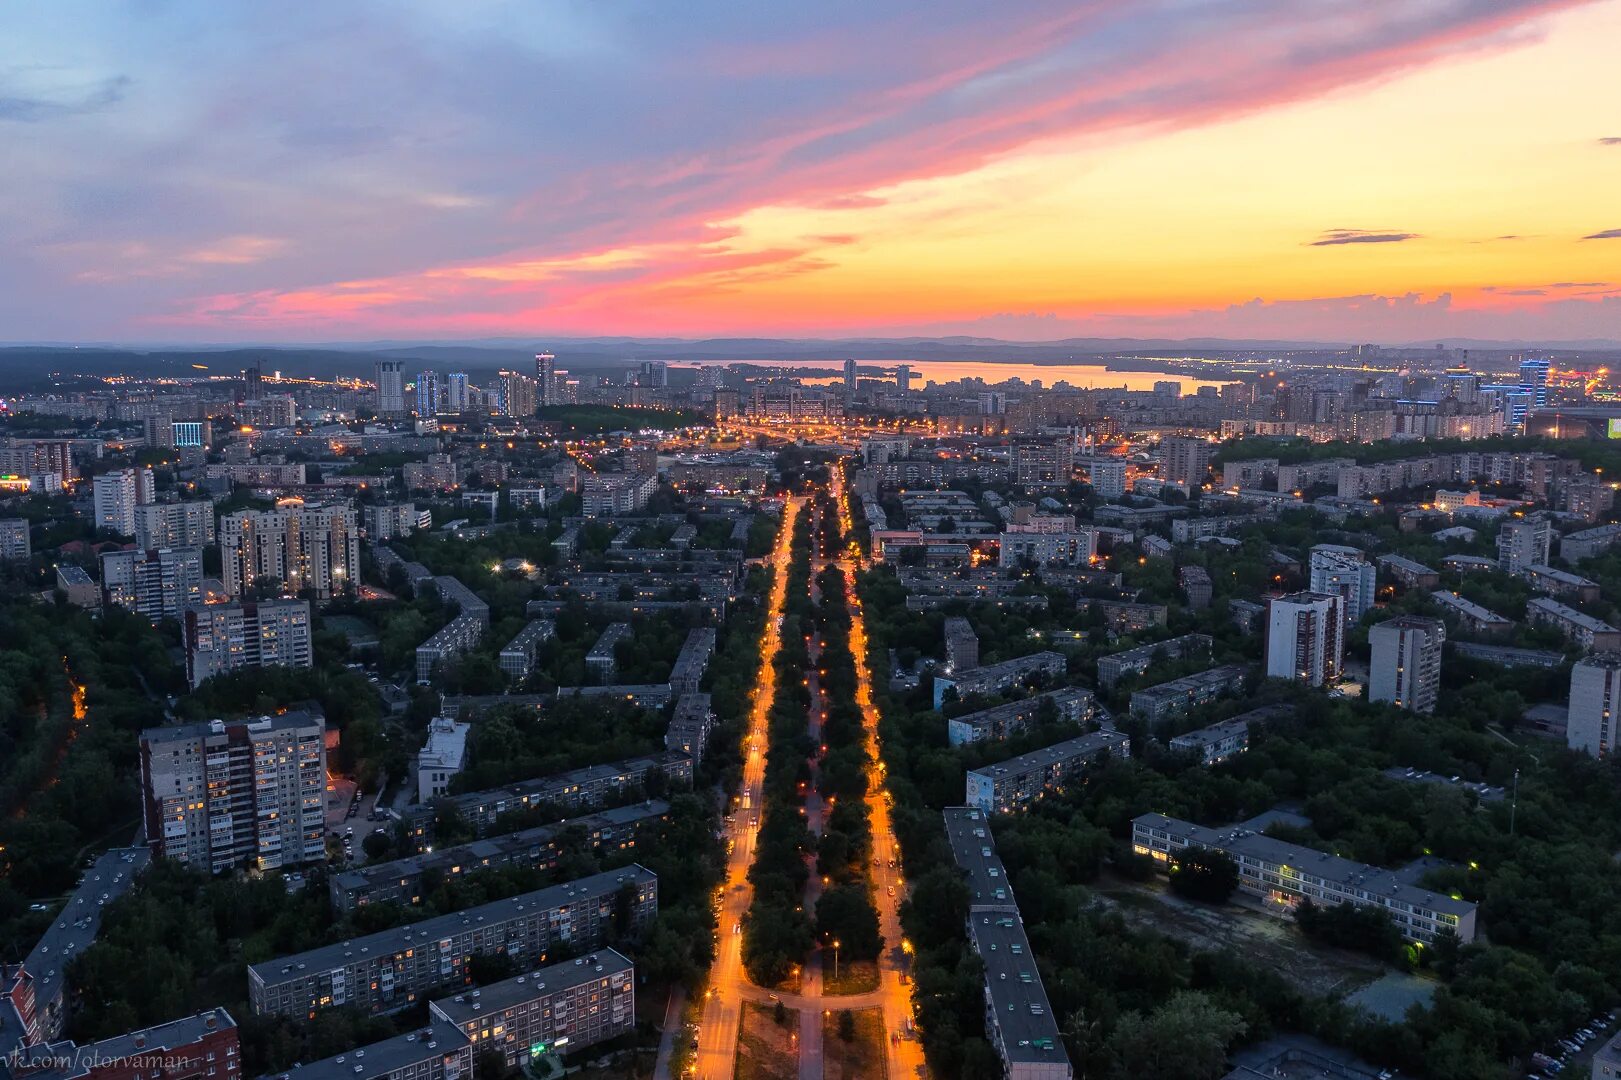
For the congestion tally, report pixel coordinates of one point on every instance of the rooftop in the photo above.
(544, 982)
(151, 1041)
(1056, 754)
(1371, 879)
(400, 938)
(383, 1058)
(75, 927)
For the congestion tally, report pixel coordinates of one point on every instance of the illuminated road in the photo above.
(722, 1013)
(889, 883)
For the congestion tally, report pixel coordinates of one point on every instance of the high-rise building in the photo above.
(153, 583)
(849, 376)
(225, 637)
(390, 377)
(428, 393)
(903, 377)
(14, 539)
(1534, 380)
(654, 374)
(1047, 463)
(1305, 638)
(1406, 666)
(1345, 572)
(315, 546)
(456, 399)
(1595, 698)
(518, 394)
(1524, 542)
(1185, 460)
(1108, 477)
(174, 525)
(221, 794)
(546, 378)
(117, 494)
(252, 382)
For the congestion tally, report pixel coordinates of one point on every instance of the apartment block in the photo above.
(251, 634)
(1012, 784)
(609, 496)
(438, 473)
(565, 792)
(601, 661)
(1178, 696)
(220, 795)
(1078, 548)
(690, 725)
(518, 657)
(996, 678)
(962, 645)
(999, 722)
(1128, 618)
(1305, 638)
(315, 546)
(1556, 582)
(435, 1051)
(384, 521)
(1579, 628)
(1185, 460)
(608, 833)
(116, 494)
(1197, 588)
(687, 673)
(15, 543)
(1406, 665)
(1409, 573)
(450, 640)
(1595, 698)
(1471, 616)
(566, 1006)
(1587, 543)
(155, 584)
(194, 1048)
(1112, 668)
(174, 525)
(1217, 742)
(1524, 542)
(1344, 572)
(464, 600)
(1285, 874)
(1019, 1020)
(394, 969)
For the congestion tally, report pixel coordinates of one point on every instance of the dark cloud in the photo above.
(1607, 234)
(1335, 237)
(1524, 292)
(38, 108)
(1577, 285)
(1610, 140)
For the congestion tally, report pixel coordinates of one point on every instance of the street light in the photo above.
(835, 959)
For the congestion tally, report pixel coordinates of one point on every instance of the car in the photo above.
(737, 928)
(892, 890)
(39, 907)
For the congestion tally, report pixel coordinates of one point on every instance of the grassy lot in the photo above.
(854, 978)
(861, 1057)
(765, 1051)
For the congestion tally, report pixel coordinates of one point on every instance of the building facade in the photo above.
(1305, 638)
(250, 634)
(156, 584)
(1406, 665)
(315, 546)
(223, 794)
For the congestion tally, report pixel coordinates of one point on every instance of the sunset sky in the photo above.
(1333, 170)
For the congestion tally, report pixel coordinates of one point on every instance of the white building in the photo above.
(117, 494)
(1305, 638)
(154, 583)
(619, 493)
(384, 521)
(171, 525)
(219, 795)
(1406, 667)
(1595, 695)
(14, 539)
(441, 758)
(315, 546)
(1344, 572)
(1523, 542)
(1048, 549)
(1107, 477)
(1185, 460)
(267, 633)
(390, 378)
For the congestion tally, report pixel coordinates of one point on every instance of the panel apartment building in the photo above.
(315, 546)
(1190, 691)
(1071, 705)
(1113, 668)
(223, 794)
(1012, 784)
(565, 792)
(1019, 1020)
(393, 970)
(1284, 874)
(995, 678)
(264, 633)
(400, 881)
(563, 1007)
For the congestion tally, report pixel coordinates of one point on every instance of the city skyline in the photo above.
(1375, 172)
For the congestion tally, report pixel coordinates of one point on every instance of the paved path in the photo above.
(672, 1027)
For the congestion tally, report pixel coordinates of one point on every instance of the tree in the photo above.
(847, 1025)
(1186, 1037)
(1203, 874)
(377, 844)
